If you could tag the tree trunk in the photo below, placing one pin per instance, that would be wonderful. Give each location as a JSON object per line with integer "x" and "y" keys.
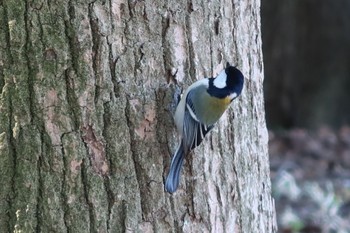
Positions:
{"x": 86, "y": 131}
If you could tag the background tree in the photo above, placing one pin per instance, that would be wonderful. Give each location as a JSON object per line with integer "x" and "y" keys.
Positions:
{"x": 306, "y": 53}
{"x": 306, "y": 59}
{"x": 86, "y": 133}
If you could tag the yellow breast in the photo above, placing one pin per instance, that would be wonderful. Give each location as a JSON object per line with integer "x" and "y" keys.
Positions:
{"x": 220, "y": 104}
{"x": 215, "y": 108}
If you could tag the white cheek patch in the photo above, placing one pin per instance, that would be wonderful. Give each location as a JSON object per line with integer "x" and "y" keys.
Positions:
{"x": 220, "y": 80}
{"x": 233, "y": 95}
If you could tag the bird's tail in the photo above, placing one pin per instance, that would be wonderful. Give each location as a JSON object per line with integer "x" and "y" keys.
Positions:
{"x": 173, "y": 179}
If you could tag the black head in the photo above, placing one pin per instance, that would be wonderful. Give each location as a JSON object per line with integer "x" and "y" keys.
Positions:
{"x": 228, "y": 82}
{"x": 234, "y": 80}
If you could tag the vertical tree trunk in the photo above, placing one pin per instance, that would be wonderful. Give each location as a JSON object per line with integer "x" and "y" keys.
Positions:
{"x": 88, "y": 90}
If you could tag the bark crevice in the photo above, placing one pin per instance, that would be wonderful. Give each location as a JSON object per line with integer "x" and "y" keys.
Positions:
{"x": 64, "y": 198}
{"x": 112, "y": 65}
{"x": 11, "y": 214}
{"x": 28, "y": 52}
{"x": 39, "y": 198}
{"x": 96, "y": 40}
{"x": 6, "y": 30}
{"x": 86, "y": 185}
{"x": 70, "y": 33}
{"x": 2, "y": 79}
{"x": 110, "y": 201}
{"x": 137, "y": 167}
{"x": 106, "y": 179}
{"x": 72, "y": 100}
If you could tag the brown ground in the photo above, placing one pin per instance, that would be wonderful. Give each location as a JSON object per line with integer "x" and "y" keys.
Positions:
{"x": 310, "y": 173}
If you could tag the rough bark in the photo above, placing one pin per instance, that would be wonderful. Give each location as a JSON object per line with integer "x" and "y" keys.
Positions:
{"x": 86, "y": 132}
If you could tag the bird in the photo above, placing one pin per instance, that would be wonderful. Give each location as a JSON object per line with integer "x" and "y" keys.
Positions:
{"x": 200, "y": 107}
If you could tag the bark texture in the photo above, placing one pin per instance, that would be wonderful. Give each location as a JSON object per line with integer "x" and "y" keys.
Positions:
{"x": 88, "y": 90}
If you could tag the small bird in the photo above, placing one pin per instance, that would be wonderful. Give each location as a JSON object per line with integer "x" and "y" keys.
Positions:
{"x": 199, "y": 109}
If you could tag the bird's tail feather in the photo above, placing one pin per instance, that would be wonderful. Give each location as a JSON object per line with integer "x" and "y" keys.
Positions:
{"x": 173, "y": 179}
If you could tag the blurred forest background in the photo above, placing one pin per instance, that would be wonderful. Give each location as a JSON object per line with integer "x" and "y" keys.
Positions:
{"x": 306, "y": 46}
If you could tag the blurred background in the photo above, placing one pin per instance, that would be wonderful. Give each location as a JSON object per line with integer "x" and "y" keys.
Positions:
{"x": 306, "y": 46}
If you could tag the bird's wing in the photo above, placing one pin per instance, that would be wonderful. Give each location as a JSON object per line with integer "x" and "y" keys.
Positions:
{"x": 193, "y": 130}
{"x": 173, "y": 178}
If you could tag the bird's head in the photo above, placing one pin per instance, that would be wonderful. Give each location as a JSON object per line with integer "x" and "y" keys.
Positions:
{"x": 229, "y": 83}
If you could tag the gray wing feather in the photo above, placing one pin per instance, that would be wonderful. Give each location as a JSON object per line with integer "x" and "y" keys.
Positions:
{"x": 194, "y": 131}
{"x": 192, "y": 135}
{"x": 173, "y": 178}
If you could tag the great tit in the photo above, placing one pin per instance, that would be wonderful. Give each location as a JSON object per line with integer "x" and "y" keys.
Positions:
{"x": 199, "y": 109}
